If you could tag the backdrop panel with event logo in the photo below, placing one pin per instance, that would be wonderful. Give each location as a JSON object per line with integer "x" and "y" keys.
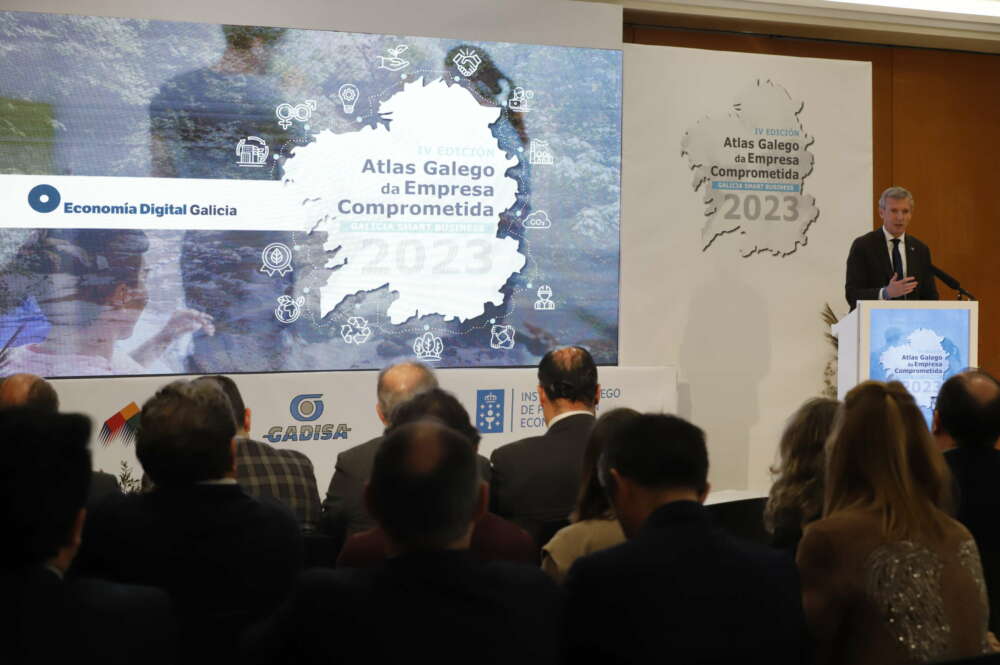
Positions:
{"x": 323, "y": 413}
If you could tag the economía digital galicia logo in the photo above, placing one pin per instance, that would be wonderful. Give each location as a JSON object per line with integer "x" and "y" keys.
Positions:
{"x": 44, "y": 198}
{"x": 306, "y": 408}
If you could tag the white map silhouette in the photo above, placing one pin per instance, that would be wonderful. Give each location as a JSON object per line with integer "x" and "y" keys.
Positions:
{"x": 921, "y": 358}
{"x": 781, "y": 219}
{"x": 437, "y": 264}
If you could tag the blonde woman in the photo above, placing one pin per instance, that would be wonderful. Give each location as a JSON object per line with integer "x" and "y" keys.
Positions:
{"x": 796, "y": 497}
{"x": 887, "y": 576}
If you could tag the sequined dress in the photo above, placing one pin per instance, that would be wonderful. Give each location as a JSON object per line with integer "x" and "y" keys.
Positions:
{"x": 869, "y": 600}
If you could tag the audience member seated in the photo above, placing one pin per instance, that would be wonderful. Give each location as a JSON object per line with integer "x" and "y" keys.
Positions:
{"x": 966, "y": 425}
{"x": 594, "y": 526}
{"x": 264, "y": 472}
{"x": 432, "y": 601}
{"x": 225, "y": 558}
{"x": 535, "y": 480}
{"x": 36, "y": 393}
{"x": 796, "y": 497}
{"x": 44, "y": 478}
{"x": 344, "y": 512}
{"x": 887, "y": 576}
{"x": 678, "y": 590}
{"x": 493, "y": 538}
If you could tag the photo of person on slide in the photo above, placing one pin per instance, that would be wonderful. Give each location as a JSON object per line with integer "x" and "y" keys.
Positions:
{"x": 72, "y": 295}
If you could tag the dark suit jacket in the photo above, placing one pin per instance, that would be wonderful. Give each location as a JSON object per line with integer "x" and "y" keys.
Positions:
{"x": 102, "y": 485}
{"x": 683, "y": 591}
{"x": 433, "y": 607}
{"x": 536, "y": 480}
{"x": 55, "y": 621}
{"x": 286, "y": 476}
{"x": 225, "y": 558}
{"x": 976, "y": 473}
{"x": 344, "y": 512}
{"x": 869, "y": 268}
{"x": 493, "y": 539}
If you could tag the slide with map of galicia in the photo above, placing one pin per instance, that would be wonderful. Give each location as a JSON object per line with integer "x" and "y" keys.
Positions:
{"x": 921, "y": 348}
{"x": 270, "y": 199}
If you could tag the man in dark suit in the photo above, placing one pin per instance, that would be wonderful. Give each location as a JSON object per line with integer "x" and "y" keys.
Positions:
{"x": 887, "y": 264}
{"x": 225, "y": 558}
{"x": 967, "y": 426}
{"x": 535, "y": 480}
{"x": 44, "y": 478}
{"x": 344, "y": 512}
{"x": 678, "y": 590}
{"x": 265, "y": 472}
{"x": 36, "y": 393}
{"x": 432, "y": 601}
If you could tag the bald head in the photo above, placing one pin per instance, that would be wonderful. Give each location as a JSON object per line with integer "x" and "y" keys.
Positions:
{"x": 400, "y": 382}
{"x": 568, "y": 376}
{"x": 30, "y": 391}
{"x": 968, "y": 409}
{"x": 425, "y": 490}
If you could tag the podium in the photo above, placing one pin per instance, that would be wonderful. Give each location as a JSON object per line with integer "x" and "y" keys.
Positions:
{"x": 918, "y": 343}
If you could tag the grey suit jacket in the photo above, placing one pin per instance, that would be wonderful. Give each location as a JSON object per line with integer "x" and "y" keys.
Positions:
{"x": 536, "y": 480}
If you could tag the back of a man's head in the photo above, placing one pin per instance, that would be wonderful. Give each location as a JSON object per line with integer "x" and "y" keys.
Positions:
{"x": 439, "y": 404}
{"x": 424, "y": 490}
{"x": 232, "y": 392}
{"x": 968, "y": 409}
{"x": 401, "y": 382}
{"x": 29, "y": 391}
{"x": 569, "y": 373}
{"x": 659, "y": 452}
{"x": 185, "y": 434}
{"x": 44, "y": 480}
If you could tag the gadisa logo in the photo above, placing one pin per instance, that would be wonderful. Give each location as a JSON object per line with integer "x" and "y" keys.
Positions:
{"x": 307, "y": 408}
{"x": 44, "y": 198}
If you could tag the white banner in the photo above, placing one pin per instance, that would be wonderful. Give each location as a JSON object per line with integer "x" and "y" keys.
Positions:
{"x": 322, "y": 414}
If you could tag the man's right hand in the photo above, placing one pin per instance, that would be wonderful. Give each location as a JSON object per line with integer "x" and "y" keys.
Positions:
{"x": 900, "y": 287}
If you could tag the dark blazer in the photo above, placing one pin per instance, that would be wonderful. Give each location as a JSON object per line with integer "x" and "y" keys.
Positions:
{"x": 536, "y": 480}
{"x": 86, "y": 620}
{"x": 869, "y": 268}
{"x": 344, "y": 512}
{"x": 102, "y": 485}
{"x": 976, "y": 473}
{"x": 437, "y": 607}
{"x": 683, "y": 591}
{"x": 286, "y": 476}
{"x": 493, "y": 539}
{"x": 225, "y": 558}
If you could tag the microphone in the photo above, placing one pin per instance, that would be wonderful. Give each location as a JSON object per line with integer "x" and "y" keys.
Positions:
{"x": 951, "y": 282}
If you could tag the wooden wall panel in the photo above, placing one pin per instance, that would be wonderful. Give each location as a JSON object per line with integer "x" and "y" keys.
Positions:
{"x": 936, "y": 125}
{"x": 946, "y": 129}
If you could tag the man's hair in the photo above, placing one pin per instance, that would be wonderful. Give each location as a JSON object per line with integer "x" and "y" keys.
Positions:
{"x": 568, "y": 373}
{"x": 895, "y": 193}
{"x": 389, "y": 397}
{"x": 658, "y": 451}
{"x": 970, "y": 421}
{"x": 242, "y": 36}
{"x": 232, "y": 392}
{"x": 44, "y": 480}
{"x": 424, "y": 485}
{"x": 439, "y": 404}
{"x": 40, "y": 396}
{"x": 184, "y": 434}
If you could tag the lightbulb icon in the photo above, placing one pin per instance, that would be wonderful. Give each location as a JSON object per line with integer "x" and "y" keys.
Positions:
{"x": 348, "y": 94}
